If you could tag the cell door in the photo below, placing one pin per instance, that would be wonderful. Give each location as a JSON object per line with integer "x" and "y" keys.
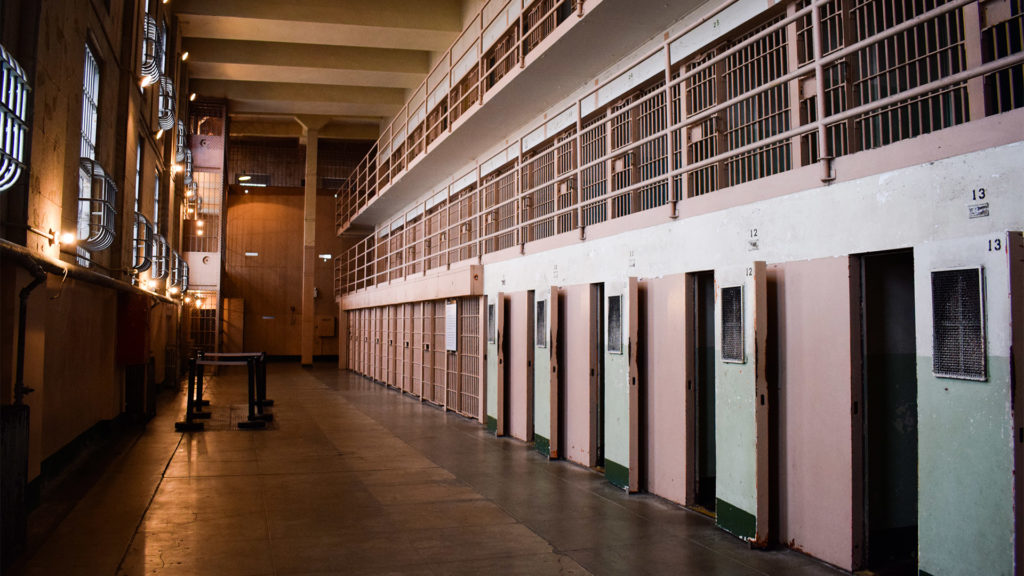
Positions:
{"x": 557, "y": 388}
{"x": 1015, "y": 249}
{"x": 741, "y": 403}
{"x": 379, "y": 344}
{"x": 501, "y": 311}
{"x": 701, "y": 389}
{"x": 416, "y": 349}
{"x": 662, "y": 340}
{"x": 582, "y": 318}
{"x": 889, "y": 395}
{"x": 519, "y": 365}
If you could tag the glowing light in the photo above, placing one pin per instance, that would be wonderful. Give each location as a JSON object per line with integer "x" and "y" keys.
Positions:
{"x": 192, "y": 97}
{"x": 199, "y": 232}
{"x": 184, "y": 55}
{"x": 244, "y": 178}
{"x": 146, "y": 81}
{"x": 67, "y": 238}
{"x": 175, "y": 168}
{"x": 159, "y": 133}
{"x": 200, "y": 223}
{"x": 188, "y": 300}
{"x": 174, "y": 290}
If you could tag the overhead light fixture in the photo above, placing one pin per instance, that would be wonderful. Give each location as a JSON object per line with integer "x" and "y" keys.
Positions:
{"x": 192, "y": 97}
{"x": 244, "y": 178}
{"x": 184, "y": 55}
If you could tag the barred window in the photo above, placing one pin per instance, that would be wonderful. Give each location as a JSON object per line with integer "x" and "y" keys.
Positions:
{"x": 13, "y": 104}
{"x": 97, "y": 192}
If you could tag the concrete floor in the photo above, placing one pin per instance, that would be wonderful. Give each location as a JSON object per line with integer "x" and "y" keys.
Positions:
{"x": 355, "y": 479}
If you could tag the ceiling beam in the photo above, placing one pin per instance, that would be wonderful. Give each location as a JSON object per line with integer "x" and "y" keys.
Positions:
{"x": 287, "y": 127}
{"x": 439, "y": 15}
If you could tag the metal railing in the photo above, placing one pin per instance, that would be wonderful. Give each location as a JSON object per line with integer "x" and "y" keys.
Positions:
{"x": 814, "y": 81}
{"x": 495, "y": 42}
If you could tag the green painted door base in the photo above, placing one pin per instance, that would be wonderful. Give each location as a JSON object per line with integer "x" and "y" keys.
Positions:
{"x": 541, "y": 444}
{"x": 616, "y": 473}
{"x": 734, "y": 520}
{"x": 492, "y": 424}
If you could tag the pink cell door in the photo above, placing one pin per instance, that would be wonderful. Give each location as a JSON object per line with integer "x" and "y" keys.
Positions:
{"x": 662, "y": 352}
{"x": 581, "y": 331}
{"x": 519, "y": 365}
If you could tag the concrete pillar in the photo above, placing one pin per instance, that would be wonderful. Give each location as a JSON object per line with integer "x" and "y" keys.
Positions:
{"x": 311, "y": 129}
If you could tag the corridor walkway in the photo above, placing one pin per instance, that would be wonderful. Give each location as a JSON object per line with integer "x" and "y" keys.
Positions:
{"x": 355, "y": 479}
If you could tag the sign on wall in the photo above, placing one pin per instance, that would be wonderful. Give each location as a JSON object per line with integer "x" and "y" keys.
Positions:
{"x": 451, "y": 325}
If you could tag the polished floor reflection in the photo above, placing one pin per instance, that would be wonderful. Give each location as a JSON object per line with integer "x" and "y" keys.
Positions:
{"x": 352, "y": 478}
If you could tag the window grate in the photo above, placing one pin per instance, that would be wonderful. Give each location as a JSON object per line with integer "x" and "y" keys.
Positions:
{"x": 142, "y": 244}
{"x": 615, "y": 324}
{"x": 152, "y": 49}
{"x": 13, "y": 105}
{"x": 166, "y": 102}
{"x": 958, "y": 333}
{"x": 96, "y": 200}
{"x": 732, "y": 324}
{"x": 541, "y": 336}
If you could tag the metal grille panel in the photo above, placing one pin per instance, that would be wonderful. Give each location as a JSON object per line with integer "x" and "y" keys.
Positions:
{"x": 732, "y": 324}
{"x": 958, "y": 334}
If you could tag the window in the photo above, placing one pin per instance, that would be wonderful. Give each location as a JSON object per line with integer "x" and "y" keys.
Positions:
{"x": 151, "y": 50}
{"x": 958, "y": 330}
{"x": 541, "y": 337}
{"x": 492, "y": 325}
{"x": 732, "y": 324}
{"x": 615, "y": 324}
{"x": 97, "y": 192}
{"x": 156, "y": 200}
{"x": 13, "y": 102}
{"x": 90, "y": 104}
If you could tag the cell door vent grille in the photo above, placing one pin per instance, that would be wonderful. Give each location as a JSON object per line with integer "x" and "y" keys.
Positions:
{"x": 615, "y": 324}
{"x": 732, "y": 324}
{"x": 492, "y": 324}
{"x": 958, "y": 330}
{"x": 541, "y": 324}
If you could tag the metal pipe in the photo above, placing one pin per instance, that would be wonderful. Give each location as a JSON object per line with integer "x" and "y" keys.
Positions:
{"x": 28, "y": 258}
{"x": 39, "y": 276}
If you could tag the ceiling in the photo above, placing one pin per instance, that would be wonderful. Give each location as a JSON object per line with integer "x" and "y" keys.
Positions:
{"x": 346, "y": 64}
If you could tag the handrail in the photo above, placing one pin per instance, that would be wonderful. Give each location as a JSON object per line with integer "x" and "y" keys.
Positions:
{"x": 393, "y": 253}
{"x": 378, "y": 169}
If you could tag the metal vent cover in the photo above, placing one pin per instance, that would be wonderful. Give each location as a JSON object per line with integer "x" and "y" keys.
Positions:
{"x": 615, "y": 324}
{"x": 732, "y": 324}
{"x": 958, "y": 326}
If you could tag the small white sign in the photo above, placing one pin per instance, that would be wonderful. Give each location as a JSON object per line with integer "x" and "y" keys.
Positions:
{"x": 451, "y": 325}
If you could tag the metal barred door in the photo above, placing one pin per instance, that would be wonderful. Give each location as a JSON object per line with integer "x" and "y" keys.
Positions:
{"x": 440, "y": 360}
{"x": 470, "y": 360}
